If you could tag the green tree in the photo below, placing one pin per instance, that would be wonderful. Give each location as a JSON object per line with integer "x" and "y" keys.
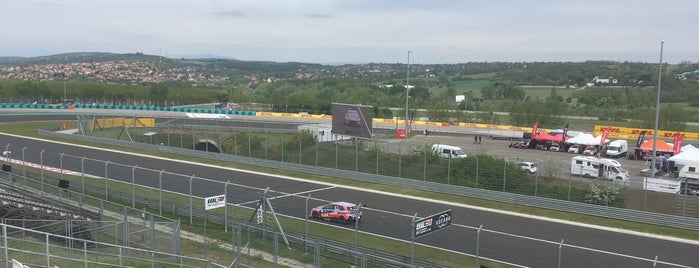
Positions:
{"x": 670, "y": 118}
{"x": 526, "y": 113}
{"x": 32, "y": 90}
{"x": 601, "y": 193}
{"x": 502, "y": 91}
{"x": 159, "y": 92}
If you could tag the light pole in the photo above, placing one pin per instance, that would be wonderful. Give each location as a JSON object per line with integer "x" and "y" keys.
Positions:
{"x": 407, "y": 94}
{"x": 427, "y": 76}
{"x": 356, "y": 226}
{"x": 8, "y": 167}
{"x": 657, "y": 109}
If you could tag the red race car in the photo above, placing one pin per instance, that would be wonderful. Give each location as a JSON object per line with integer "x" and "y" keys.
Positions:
{"x": 338, "y": 211}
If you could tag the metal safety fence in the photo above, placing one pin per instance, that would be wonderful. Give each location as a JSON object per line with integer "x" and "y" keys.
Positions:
{"x": 38, "y": 200}
{"x": 120, "y": 181}
{"x": 411, "y": 166}
{"x": 34, "y": 248}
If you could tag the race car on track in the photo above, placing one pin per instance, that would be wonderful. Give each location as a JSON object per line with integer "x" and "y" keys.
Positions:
{"x": 337, "y": 211}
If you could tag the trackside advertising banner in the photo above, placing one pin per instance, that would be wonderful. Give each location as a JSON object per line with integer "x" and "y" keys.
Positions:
{"x": 605, "y": 133}
{"x": 677, "y": 143}
{"x": 641, "y": 136}
{"x": 215, "y": 202}
{"x": 432, "y": 223}
{"x": 535, "y": 128}
{"x": 634, "y": 133}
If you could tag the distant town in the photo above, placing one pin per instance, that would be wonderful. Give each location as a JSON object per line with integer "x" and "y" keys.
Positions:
{"x": 121, "y": 71}
{"x": 138, "y": 68}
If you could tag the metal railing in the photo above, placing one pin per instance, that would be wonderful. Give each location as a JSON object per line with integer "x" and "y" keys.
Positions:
{"x": 40, "y": 249}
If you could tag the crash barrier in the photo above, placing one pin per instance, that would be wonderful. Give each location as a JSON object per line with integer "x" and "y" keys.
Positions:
{"x": 614, "y": 133}
{"x": 112, "y": 122}
{"x": 124, "y": 108}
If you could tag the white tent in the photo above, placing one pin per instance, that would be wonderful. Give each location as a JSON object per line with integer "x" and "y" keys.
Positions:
{"x": 583, "y": 139}
{"x": 686, "y": 157}
{"x": 599, "y": 139}
{"x": 688, "y": 147}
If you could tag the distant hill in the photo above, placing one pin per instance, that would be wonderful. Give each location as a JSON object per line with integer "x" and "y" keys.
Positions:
{"x": 78, "y": 57}
{"x": 201, "y": 56}
{"x": 211, "y": 60}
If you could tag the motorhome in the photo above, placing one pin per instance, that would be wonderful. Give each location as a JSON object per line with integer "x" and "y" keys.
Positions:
{"x": 690, "y": 172}
{"x": 448, "y": 151}
{"x": 601, "y": 168}
{"x": 617, "y": 148}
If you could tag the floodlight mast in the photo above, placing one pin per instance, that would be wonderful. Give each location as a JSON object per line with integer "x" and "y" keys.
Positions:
{"x": 407, "y": 94}
{"x": 657, "y": 111}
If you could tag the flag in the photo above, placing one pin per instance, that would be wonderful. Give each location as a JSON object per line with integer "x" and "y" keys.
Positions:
{"x": 641, "y": 136}
{"x": 605, "y": 132}
{"x": 534, "y": 129}
{"x": 565, "y": 133}
{"x": 677, "y": 143}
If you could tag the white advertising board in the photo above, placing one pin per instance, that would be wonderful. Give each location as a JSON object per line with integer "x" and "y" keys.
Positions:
{"x": 215, "y": 202}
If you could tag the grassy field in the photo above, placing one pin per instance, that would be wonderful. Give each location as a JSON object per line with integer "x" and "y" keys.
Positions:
{"x": 541, "y": 92}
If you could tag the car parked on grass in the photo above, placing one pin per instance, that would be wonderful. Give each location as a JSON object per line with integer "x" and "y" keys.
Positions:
{"x": 337, "y": 211}
{"x": 528, "y": 166}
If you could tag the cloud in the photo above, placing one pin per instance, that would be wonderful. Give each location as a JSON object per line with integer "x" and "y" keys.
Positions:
{"x": 230, "y": 13}
{"x": 440, "y": 31}
{"x": 318, "y": 16}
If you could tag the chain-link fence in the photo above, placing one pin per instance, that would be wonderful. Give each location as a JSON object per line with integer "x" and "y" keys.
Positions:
{"x": 281, "y": 144}
{"x": 119, "y": 184}
{"x": 46, "y": 202}
{"x": 36, "y": 248}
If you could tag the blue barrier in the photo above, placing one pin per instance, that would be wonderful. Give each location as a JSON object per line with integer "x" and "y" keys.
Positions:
{"x": 125, "y": 107}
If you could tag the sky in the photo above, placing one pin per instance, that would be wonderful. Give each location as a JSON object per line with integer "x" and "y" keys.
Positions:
{"x": 358, "y": 31}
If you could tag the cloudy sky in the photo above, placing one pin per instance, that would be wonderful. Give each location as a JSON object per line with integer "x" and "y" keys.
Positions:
{"x": 358, "y": 31}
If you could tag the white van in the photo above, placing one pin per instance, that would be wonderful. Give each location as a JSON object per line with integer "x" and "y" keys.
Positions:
{"x": 617, "y": 148}
{"x": 448, "y": 151}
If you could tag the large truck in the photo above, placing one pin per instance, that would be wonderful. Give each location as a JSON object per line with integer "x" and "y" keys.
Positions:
{"x": 686, "y": 182}
{"x": 599, "y": 168}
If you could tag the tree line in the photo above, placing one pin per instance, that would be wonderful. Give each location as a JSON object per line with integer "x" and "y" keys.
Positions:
{"x": 631, "y": 97}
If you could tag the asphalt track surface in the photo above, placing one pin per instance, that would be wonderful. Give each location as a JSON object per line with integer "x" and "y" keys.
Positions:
{"x": 513, "y": 238}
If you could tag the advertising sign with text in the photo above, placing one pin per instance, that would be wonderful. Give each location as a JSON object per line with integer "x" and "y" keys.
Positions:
{"x": 432, "y": 223}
